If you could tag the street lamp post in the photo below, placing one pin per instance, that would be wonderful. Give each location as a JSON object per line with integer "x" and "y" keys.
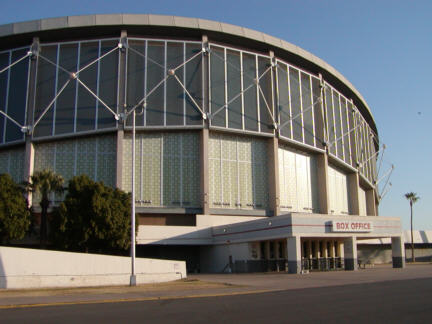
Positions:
{"x": 133, "y": 275}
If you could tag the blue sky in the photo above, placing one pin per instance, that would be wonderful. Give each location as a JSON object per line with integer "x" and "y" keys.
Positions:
{"x": 382, "y": 47}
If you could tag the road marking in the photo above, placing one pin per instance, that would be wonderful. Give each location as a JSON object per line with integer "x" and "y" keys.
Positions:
{"x": 126, "y": 300}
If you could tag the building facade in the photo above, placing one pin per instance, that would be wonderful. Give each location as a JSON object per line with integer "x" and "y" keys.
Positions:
{"x": 250, "y": 153}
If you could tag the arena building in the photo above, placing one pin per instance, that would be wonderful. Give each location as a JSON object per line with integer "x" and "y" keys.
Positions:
{"x": 251, "y": 153}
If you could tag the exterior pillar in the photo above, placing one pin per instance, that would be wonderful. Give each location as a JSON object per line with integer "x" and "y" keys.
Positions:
{"x": 370, "y": 203}
{"x": 273, "y": 175}
{"x": 323, "y": 188}
{"x": 350, "y": 253}
{"x": 353, "y": 193}
{"x": 294, "y": 254}
{"x": 332, "y": 249}
{"x": 324, "y": 249}
{"x": 398, "y": 252}
{"x": 316, "y": 251}
{"x": 205, "y": 194}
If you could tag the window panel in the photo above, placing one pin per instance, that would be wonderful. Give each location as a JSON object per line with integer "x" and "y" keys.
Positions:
{"x": 283, "y": 100}
{"x": 345, "y": 130}
{"x": 234, "y": 90}
{"x": 318, "y": 113}
{"x": 17, "y": 99}
{"x": 352, "y": 135}
{"x": 250, "y": 95}
{"x": 4, "y": 62}
{"x": 155, "y": 74}
{"x": 86, "y": 107}
{"x": 174, "y": 91}
{"x": 307, "y": 109}
{"x": 135, "y": 78}
{"x": 65, "y": 105}
{"x": 108, "y": 84}
{"x": 194, "y": 83}
{"x": 295, "y": 105}
{"x": 217, "y": 87}
{"x": 266, "y": 100}
{"x": 331, "y": 132}
{"x": 338, "y": 125}
{"x": 45, "y": 91}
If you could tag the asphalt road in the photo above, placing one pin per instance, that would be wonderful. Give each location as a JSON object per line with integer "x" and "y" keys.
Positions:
{"x": 402, "y": 301}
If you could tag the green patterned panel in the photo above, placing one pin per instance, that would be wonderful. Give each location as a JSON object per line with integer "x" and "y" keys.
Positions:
{"x": 282, "y": 192}
{"x": 106, "y": 160}
{"x": 246, "y": 197}
{"x": 235, "y": 199}
{"x": 12, "y": 162}
{"x": 260, "y": 186}
{"x": 44, "y": 156}
{"x": 215, "y": 184}
{"x": 86, "y": 157}
{"x": 4, "y": 162}
{"x": 127, "y": 162}
{"x": 226, "y": 184}
{"x": 214, "y": 147}
{"x": 191, "y": 170}
{"x": 64, "y": 160}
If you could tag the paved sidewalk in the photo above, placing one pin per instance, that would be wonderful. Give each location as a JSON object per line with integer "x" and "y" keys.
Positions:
{"x": 205, "y": 285}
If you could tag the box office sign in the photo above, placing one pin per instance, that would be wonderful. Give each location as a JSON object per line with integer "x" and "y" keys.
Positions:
{"x": 344, "y": 226}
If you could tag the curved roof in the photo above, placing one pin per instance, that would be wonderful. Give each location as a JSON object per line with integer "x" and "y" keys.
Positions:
{"x": 212, "y": 28}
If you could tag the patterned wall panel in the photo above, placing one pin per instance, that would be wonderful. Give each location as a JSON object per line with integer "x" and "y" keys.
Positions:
{"x": 238, "y": 177}
{"x": 297, "y": 181}
{"x": 167, "y": 169}
{"x": 12, "y": 162}
{"x": 93, "y": 156}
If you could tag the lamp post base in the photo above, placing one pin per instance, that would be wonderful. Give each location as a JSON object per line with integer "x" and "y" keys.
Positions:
{"x": 132, "y": 280}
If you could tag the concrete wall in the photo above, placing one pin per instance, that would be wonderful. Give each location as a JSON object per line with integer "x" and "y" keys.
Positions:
{"x": 28, "y": 268}
{"x": 382, "y": 253}
{"x": 201, "y": 234}
{"x": 216, "y": 257}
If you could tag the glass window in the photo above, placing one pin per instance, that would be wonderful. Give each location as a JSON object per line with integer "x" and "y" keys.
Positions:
{"x": 45, "y": 90}
{"x": 296, "y": 105}
{"x": 331, "y": 132}
{"x": 307, "y": 108}
{"x": 65, "y": 105}
{"x": 250, "y": 92}
{"x": 4, "y": 62}
{"x": 86, "y": 106}
{"x": 217, "y": 87}
{"x": 338, "y": 125}
{"x": 283, "y": 101}
{"x": 234, "y": 90}
{"x": 266, "y": 97}
{"x": 318, "y": 113}
{"x": 345, "y": 130}
{"x": 351, "y": 126}
{"x": 17, "y": 99}
{"x": 194, "y": 81}
{"x": 135, "y": 78}
{"x": 174, "y": 91}
{"x": 108, "y": 84}
{"x": 155, "y": 74}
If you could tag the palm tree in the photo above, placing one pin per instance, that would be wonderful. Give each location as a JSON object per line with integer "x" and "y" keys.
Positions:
{"x": 45, "y": 182}
{"x": 412, "y": 197}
